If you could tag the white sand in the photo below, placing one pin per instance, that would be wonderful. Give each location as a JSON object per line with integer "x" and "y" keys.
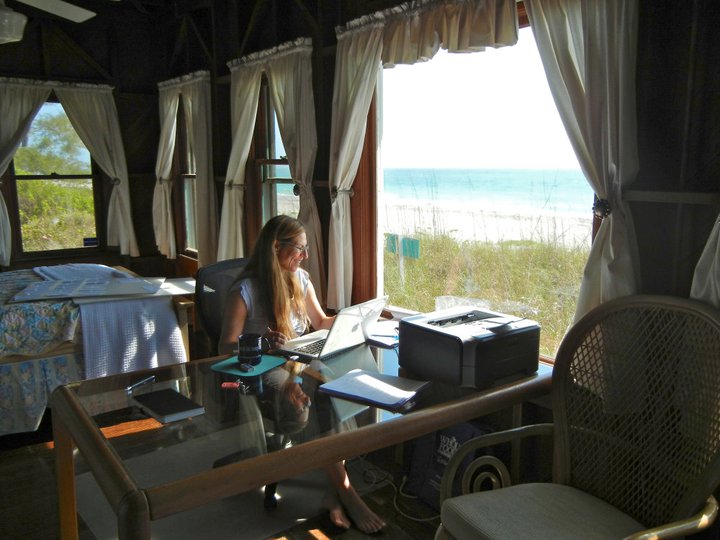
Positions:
{"x": 463, "y": 222}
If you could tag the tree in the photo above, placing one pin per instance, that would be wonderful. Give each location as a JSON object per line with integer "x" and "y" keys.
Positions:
{"x": 52, "y": 146}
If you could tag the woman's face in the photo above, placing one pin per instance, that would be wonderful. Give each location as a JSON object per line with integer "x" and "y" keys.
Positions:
{"x": 292, "y": 252}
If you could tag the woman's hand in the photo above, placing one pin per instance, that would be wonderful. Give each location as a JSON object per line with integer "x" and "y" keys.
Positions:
{"x": 273, "y": 339}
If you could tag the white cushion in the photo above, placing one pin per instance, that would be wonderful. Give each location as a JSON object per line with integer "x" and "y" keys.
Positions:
{"x": 537, "y": 511}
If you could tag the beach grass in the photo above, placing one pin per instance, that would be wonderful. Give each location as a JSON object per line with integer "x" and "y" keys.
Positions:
{"x": 525, "y": 278}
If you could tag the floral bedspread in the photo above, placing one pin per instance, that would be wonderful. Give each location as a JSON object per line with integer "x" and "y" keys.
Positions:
{"x": 30, "y": 368}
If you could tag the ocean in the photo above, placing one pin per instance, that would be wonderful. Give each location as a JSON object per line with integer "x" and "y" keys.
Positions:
{"x": 488, "y": 204}
{"x": 503, "y": 191}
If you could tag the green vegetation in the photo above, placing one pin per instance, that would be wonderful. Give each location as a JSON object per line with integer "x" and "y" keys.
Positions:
{"x": 523, "y": 278}
{"x": 54, "y": 214}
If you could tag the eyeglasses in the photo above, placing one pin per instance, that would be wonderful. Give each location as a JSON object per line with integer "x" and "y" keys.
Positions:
{"x": 299, "y": 249}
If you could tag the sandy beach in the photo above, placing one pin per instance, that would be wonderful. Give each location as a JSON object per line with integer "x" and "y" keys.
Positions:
{"x": 467, "y": 222}
{"x": 463, "y": 222}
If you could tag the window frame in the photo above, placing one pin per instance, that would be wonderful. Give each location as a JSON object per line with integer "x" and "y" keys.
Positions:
{"x": 180, "y": 173}
{"x": 8, "y": 186}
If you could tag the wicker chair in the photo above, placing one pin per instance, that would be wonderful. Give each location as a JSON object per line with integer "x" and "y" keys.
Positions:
{"x": 636, "y": 434}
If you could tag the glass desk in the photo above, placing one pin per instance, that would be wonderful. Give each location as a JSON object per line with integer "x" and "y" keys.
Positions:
{"x": 243, "y": 421}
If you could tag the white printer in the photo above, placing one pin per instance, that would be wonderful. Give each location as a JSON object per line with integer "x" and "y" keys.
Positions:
{"x": 466, "y": 347}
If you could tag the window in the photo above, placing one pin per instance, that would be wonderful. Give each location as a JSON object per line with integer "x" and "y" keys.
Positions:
{"x": 482, "y": 195}
{"x": 278, "y": 193}
{"x": 184, "y": 197}
{"x": 53, "y": 195}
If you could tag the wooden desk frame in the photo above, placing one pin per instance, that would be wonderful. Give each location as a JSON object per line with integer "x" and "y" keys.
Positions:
{"x": 136, "y": 507}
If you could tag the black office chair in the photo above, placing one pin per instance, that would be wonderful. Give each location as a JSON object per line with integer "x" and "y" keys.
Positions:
{"x": 212, "y": 284}
{"x": 636, "y": 434}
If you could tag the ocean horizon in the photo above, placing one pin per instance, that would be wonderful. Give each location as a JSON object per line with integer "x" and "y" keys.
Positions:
{"x": 489, "y": 204}
{"x": 503, "y": 191}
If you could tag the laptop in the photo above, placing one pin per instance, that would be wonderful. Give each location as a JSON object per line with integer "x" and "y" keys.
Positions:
{"x": 350, "y": 328}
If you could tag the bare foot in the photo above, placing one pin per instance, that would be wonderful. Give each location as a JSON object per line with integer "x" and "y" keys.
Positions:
{"x": 365, "y": 519}
{"x": 334, "y": 507}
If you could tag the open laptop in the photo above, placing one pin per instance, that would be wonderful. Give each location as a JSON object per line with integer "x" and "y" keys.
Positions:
{"x": 351, "y": 327}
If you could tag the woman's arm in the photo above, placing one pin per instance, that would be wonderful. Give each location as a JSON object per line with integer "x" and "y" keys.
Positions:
{"x": 234, "y": 318}
{"x": 318, "y": 319}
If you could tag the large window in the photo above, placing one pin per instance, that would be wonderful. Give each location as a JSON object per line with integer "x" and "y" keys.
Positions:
{"x": 54, "y": 195}
{"x": 482, "y": 196}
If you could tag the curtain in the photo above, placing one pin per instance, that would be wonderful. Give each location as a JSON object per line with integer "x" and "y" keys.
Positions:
{"x": 92, "y": 112}
{"x": 404, "y": 34}
{"x": 198, "y": 108}
{"x": 588, "y": 50}
{"x": 20, "y": 101}
{"x": 245, "y": 75}
{"x": 357, "y": 61}
{"x": 194, "y": 90}
{"x": 706, "y": 278}
{"x": 163, "y": 225}
{"x": 290, "y": 81}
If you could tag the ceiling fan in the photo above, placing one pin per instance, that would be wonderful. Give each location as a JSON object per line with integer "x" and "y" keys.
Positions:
{"x": 63, "y": 9}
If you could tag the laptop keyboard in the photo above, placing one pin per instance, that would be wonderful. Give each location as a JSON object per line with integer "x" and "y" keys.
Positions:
{"x": 312, "y": 348}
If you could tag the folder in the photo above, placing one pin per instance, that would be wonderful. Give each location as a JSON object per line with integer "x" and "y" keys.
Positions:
{"x": 396, "y": 394}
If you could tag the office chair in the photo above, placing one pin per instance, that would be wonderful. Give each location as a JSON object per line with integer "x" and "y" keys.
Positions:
{"x": 212, "y": 283}
{"x": 636, "y": 434}
{"x": 261, "y": 412}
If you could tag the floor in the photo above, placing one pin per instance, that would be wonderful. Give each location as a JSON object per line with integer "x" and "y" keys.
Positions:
{"x": 28, "y": 502}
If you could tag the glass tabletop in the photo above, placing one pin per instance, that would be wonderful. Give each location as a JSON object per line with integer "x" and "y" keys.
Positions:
{"x": 242, "y": 440}
{"x": 243, "y": 415}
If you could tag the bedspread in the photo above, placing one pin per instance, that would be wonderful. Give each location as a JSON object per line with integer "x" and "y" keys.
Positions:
{"x": 45, "y": 344}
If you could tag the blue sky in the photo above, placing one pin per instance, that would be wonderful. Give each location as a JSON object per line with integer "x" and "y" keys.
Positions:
{"x": 491, "y": 109}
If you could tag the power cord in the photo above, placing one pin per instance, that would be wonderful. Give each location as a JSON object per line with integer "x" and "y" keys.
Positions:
{"x": 376, "y": 478}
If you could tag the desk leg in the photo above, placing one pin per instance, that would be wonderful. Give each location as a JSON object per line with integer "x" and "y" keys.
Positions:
{"x": 65, "y": 475}
{"x": 515, "y": 445}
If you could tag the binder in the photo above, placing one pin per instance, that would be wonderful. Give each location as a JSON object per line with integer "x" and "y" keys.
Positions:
{"x": 395, "y": 394}
{"x": 167, "y": 405}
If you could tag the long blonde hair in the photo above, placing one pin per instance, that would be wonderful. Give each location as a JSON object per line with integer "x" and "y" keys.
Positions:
{"x": 280, "y": 290}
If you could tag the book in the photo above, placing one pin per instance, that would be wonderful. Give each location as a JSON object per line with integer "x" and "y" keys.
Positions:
{"x": 396, "y": 394}
{"x": 167, "y": 405}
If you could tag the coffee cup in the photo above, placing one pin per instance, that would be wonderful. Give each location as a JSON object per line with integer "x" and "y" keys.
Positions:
{"x": 249, "y": 349}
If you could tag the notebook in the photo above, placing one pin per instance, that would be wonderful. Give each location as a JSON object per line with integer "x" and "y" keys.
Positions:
{"x": 351, "y": 327}
{"x": 167, "y": 405}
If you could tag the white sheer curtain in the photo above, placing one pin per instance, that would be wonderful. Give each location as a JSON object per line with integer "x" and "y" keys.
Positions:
{"x": 588, "y": 49}
{"x": 405, "y": 34}
{"x": 356, "y": 66}
{"x": 163, "y": 224}
{"x": 194, "y": 89}
{"x": 290, "y": 80}
{"x": 20, "y": 101}
{"x": 92, "y": 112}
{"x": 245, "y": 78}
{"x": 706, "y": 278}
{"x": 198, "y": 108}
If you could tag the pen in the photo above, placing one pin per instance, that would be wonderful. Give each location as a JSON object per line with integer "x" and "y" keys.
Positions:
{"x": 132, "y": 387}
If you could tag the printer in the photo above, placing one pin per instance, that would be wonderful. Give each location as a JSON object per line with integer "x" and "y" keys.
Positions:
{"x": 466, "y": 347}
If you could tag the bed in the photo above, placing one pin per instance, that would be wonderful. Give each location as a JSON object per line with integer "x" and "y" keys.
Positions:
{"x": 47, "y": 343}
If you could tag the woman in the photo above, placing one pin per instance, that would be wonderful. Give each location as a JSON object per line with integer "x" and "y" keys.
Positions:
{"x": 274, "y": 297}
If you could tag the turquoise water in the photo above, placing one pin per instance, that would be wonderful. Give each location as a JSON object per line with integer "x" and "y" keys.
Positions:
{"x": 511, "y": 191}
